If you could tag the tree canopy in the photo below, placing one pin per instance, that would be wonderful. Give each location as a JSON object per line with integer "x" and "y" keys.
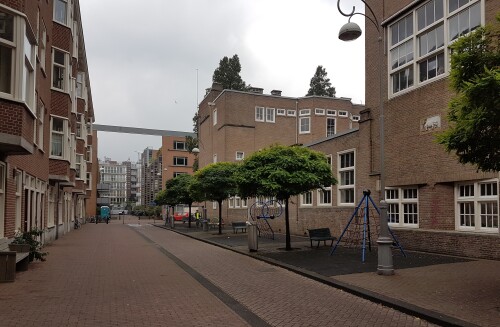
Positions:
{"x": 474, "y": 112}
{"x": 215, "y": 182}
{"x": 320, "y": 84}
{"x": 228, "y": 74}
{"x": 283, "y": 171}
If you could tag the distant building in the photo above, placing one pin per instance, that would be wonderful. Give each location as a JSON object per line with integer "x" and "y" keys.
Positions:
{"x": 117, "y": 176}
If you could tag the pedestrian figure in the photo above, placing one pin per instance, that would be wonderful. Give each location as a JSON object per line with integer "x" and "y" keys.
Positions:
{"x": 197, "y": 216}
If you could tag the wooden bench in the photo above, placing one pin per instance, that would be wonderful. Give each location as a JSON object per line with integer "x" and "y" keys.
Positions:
{"x": 9, "y": 259}
{"x": 214, "y": 223}
{"x": 239, "y": 225}
{"x": 320, "y": 234}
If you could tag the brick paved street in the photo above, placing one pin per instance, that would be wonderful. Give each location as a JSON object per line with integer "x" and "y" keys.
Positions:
{"x": 140, "y": 275}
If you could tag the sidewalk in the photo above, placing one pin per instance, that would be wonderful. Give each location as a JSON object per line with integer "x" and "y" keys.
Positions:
{"x": 442, "y": 289}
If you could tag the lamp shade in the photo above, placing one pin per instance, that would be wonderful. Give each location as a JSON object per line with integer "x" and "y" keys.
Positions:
{"x": 349, "y": 32}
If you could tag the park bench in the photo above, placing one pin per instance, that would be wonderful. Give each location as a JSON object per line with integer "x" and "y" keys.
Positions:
{"x": 239, "y": 225}
{"x": 320, "y": 234}
{"x": 9, "y": 259}
{"x": 214, "y": 223}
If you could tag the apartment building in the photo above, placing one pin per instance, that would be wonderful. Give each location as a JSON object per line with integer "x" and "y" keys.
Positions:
{"x": 46, "y": 116}
{"x": 151, "y": 175}
{"x": 435, "y": 204}
{"x": 176, "y": 159}
{"x": 117, "y": 177}
{"x": 234, "y": 124}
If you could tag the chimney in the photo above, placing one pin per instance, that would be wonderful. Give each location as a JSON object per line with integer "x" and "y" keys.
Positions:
{"x": 257, "y": 90}
{"x": 276, "y": 92}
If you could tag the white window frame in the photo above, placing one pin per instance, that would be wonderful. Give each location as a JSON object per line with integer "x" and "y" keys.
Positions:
{"x": 214, "y": 116}
{"x": 306, "y": 199}
{"x": 42, "y": 47}
{"x": 65, "y": 137}
{"x": 304, "y": 112}
{"x": 65, "y": 81}
{"x": 331, "y": 112}
{"x": 471, "y": 221}
{"x": 280, "y": 112}
{"x": 291, "y": 113}
{"x": 355, "y": 118}
{"x": 305, "y": 128}
{"x": 322, "y": 193}
{"x": 343, "y": 113}
{"x": 402, "y": 206}
{"x": 21, "y": 84}
{"x": 80, "y": 83}
{"x": 270, "y": 115}
{"x": 79, "y": 165}
{"x": 61, "y": 18}
{"x": 328, "y": 119}
{"x": 180, "y": 161}
{"x": 319, "y": 112}
{"x": 178, "y": 147}
{"x": 3, "y": 182}
{"x": 259, "y": 114}
{"x": 18, "y": 180}
{"x": 341, "y": 187}
{"x": 40, "y": 122}
{"x": 406, "y": 53}
{"x": 240, "y": 155}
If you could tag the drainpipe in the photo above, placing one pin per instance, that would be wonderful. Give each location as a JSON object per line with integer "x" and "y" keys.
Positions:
{"x": 296, "y": 121}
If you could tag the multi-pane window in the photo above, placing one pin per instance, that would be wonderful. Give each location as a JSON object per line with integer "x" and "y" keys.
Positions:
{"x": 28, "y": 86}
{"x": 319, "y": 111}
{"x": 306, "y": 199}
{"x": 304, "y": 112}
{"x": 325, "y": 196}
{"x": 291, "y": 113}
{"x": 236, "y": 202}
{"x": 280, "y": 112}
{"x": 259, "y": 113}
{"x": 418, "y": 40}
{"x": 19, "y": 194}
{"x": 402, "y": 206}
{"x": 2, "y": 196}
{"x": 79, "y": 125}
{"x": 304, "y": 125}
{"x": 79, "y": 166}
{"x": 58, "y": 137}
{"x": 346, "y": 173}
{"x": 61, "y": 11}
{"x": 270, "y": 118}
{"x": 7, "y": 51}
{"x": 331, "y": 112}
{"x": 477, "y": 206}
{"x": 330, "y": 127}
{"x": 179, "y": 173}
{"x": 240, "y": 155}
{"x": 179, "y": 145}
{"x": 79, "y": 84}
{"x": 214, "y": 117}
{"x": 180, "y": 161}
{"x": 59, "y": 62}
{"x": 40, "y": 119}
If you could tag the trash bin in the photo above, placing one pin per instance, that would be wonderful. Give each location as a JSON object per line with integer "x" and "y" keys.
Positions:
{"x": 253, "y": 243}
{"x": 204, "y": 222}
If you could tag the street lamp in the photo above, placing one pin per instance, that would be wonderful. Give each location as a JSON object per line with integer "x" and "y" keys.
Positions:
{"x": 349, "y": 32}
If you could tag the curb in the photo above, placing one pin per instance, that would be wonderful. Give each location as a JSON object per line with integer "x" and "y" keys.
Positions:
{"x": 405, "y": 307}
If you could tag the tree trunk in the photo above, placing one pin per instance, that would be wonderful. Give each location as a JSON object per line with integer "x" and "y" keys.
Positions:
{"x": 288, "y": 246}
{"x": 189, "y": 217}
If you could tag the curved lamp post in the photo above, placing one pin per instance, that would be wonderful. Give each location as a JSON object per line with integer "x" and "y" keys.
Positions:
{"x": 349, "y": 32}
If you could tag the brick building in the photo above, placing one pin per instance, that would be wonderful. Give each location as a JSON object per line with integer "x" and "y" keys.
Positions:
{"x": 434, "y": 203}
{"x": 234, "y": 124}
{"x": 176, "y": 159}
{"x": 47, "y": 151}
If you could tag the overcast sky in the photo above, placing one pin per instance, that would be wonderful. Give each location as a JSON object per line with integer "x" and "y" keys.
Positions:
{"x": 151, "y": 61}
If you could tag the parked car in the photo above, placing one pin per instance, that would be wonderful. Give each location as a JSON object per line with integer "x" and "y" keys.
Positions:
{"x": 181, "y": 216}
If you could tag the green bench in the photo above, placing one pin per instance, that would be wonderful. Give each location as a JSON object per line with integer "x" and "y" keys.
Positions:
{"x": 320, "y": 234}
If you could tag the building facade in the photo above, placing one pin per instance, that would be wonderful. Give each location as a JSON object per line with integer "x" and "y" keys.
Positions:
{"x": 46, "y": 116}
{"x": 435, "y": 204}
{"x": 234, "y": 124}
{"x": 117, "y": 176}
{"x": 176, "y": 159}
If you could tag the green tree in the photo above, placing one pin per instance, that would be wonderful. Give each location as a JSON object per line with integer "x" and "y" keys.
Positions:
{"x": 168, "y": 196}
{"x": 191, "y": 143}
{"x": 196, "y": 117}
{"x": 215, "y": 182}
{"x": 474, "y": 112}
{"x": 284, "y": 171}
{"x": 320, "y": 84}
{"x": 180, "y": 188}
{"x": 228, "y": 74}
